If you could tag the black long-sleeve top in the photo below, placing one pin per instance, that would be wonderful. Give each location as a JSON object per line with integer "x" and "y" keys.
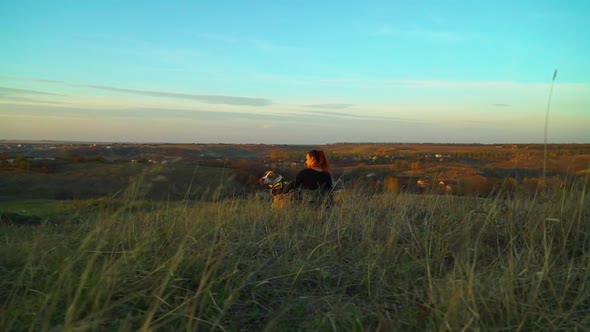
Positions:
{"x": 310, "y": 179}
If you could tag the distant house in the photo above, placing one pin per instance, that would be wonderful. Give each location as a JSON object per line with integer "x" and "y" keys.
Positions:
{"x": 423, "y": 183}
{"x": 447, "y": 185}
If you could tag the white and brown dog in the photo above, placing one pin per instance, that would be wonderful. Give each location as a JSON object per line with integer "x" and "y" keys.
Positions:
{"x": 276, "y": 183}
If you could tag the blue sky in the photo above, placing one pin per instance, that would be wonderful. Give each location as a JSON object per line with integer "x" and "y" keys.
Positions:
{"x": 295, "y": 72}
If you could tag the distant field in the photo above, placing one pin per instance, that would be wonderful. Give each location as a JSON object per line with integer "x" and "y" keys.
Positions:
{"x": 233, "y": 169}
{"x": 91, "y": 180}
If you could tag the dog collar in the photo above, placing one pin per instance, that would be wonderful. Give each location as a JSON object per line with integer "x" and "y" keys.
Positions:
{"x": 279, "y": 184}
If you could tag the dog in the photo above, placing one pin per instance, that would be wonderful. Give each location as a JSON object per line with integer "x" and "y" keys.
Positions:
{"x": 276, "y": 183}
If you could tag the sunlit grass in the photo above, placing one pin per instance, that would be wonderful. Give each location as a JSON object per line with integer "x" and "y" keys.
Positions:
{"x": 381, "y": 261}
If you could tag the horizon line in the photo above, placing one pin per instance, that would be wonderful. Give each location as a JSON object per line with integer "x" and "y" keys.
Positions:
{"x": 20, "y": 141}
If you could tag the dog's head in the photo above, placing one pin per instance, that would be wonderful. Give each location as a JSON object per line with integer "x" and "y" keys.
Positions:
{"x": 270, "y": 178}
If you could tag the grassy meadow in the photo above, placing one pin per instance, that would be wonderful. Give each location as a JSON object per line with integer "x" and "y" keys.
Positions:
{"x": 377, "y": 262}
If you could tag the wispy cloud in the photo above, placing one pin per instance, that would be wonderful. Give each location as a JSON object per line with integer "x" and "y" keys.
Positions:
{"x": 135, "y": 113}
{"x": 208, "y": 99}
{"x": 25, "y": 95}
{"x": 359, "y": 117}
{"x": 4, "y": 98}
{"x": 5, "y": 90}
{"x": 330, "y": 106}
{"x": 198, "y": 114}
{"x": 186, "y": 114}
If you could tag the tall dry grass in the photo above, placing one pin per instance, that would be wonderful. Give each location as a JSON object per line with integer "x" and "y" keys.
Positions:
{"x": 373, "y": 262}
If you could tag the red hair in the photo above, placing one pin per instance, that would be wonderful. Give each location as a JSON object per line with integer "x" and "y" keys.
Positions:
{"x": 321, "y": 160}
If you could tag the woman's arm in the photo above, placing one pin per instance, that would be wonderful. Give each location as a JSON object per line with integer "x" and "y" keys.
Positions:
{"x": 299, "y": 179}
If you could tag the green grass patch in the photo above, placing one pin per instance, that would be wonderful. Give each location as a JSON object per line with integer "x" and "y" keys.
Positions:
{"x": 42, "y": 207}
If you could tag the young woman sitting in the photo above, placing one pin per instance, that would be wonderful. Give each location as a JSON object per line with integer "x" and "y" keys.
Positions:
{"x": 314, "y": 183}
